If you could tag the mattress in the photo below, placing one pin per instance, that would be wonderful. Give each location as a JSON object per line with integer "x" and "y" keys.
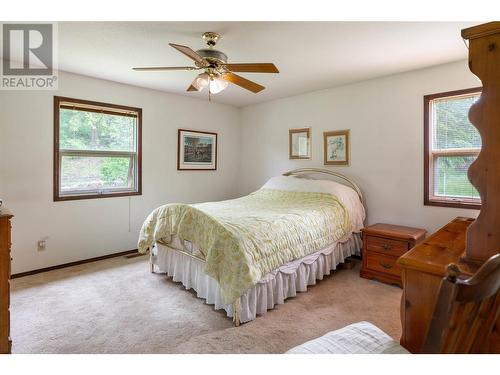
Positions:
{"x": 177, "y": 243}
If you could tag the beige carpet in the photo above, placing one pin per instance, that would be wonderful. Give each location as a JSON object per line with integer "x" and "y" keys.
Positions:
{"x": 117, "y": 306}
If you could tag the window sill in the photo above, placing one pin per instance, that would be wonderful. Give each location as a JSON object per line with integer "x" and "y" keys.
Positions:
{"x": 452, "y": 204}
{"x": 59, "y": 198}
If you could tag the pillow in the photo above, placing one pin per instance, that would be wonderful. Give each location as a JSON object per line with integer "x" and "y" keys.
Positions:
{"x": 345, "y": 194}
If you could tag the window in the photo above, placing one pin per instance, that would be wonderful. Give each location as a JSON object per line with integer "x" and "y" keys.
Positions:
{"x": 452, "y": 143}
{"x": 97, "y": 149}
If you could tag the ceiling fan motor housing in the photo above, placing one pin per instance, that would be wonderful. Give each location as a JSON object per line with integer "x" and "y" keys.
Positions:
{"x": 212, "y": 55}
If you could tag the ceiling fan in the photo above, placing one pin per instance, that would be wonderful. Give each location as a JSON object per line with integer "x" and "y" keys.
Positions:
{"x": 217, "y": 72}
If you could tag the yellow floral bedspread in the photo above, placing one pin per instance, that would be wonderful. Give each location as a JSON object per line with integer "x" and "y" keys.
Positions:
{"x": 246, "y": 238}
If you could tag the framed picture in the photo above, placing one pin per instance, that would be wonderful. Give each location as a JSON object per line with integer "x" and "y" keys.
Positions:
{"x": 336, "y": 147}
{"x": 196, "y": 150}
{"x": 300, "y": 143}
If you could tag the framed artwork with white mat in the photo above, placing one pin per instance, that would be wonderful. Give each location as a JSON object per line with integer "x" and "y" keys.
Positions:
{"x": 336, "y": 147}
{"x": 299, "y": 143}
{"x": 196, "y": 150}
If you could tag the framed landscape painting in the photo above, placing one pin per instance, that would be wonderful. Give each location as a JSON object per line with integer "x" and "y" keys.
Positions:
{"x": 299, "y": 143}
{"x": 196, "y": 150}
{"x": 336, "y": 147}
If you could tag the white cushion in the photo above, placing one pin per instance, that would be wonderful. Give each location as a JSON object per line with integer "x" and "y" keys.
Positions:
{"x": 358, "y": 338}
{"x": 345, "y": 194}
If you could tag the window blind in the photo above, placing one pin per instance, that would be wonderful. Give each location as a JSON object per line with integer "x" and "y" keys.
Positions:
{"x": 455, "y": 145}
{"x": 452, "y": 128}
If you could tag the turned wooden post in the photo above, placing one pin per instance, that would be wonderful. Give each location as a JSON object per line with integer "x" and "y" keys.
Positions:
{"x": 483, "y": 236}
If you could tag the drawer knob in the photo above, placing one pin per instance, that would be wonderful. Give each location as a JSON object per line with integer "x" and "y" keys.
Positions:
{"x": 386, "y": 247}
{"x": 386, "y": 265}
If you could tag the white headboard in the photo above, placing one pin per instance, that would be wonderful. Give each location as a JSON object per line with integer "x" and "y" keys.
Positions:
{"x": 308, "y": 171}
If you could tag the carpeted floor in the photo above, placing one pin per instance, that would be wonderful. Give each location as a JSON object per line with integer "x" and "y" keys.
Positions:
{"x": 117, "y": 306}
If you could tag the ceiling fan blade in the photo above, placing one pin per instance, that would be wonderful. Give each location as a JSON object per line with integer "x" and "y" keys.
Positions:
{"x": 190, "y": 53}
{"x": 161, "y": 68}
{"x": 243, "y": 82}
{"x": 253, "y": 68}
{"x": 194, "y": 86}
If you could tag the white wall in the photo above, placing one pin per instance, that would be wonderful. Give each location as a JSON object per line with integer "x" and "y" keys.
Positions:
{"x": 385, "y": 117}
{"x": 88, "y": 228}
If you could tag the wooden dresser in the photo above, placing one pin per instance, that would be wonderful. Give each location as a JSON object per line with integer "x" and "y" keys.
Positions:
{"x": 383, "y": 244}
{"x": 422, "y": 270}
{"x": 5, "y": 227}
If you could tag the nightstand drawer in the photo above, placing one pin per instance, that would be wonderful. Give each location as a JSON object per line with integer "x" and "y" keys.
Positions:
{"x": 382, "y": 263}
{"x": 386, "y": 245}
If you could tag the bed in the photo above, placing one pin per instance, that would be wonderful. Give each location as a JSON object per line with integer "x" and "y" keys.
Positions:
{"x": 247, "y": 255}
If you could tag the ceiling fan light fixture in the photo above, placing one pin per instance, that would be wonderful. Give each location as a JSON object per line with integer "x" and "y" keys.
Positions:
{"x": 201, "y": 81}
{"x": 217, "y": 84}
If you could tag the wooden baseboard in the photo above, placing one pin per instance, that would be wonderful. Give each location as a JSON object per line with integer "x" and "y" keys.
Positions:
{"x": 78, "y": 262}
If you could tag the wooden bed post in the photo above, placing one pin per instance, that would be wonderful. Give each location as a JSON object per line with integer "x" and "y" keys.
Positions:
{"x": 151, "y": 265}
{"x": 236, "y": 313}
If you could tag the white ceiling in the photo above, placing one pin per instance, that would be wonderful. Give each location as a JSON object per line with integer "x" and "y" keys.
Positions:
{"x": 310, "y": 55}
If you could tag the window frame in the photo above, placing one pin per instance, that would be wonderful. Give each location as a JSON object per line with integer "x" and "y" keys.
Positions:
{"x": 430, "y": 156}
{"x": 135, "y": 156}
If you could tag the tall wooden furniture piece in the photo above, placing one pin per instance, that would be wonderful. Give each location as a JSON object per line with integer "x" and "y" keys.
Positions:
{"x": 5, "y": 227}
{"x": 383, "y": 244}
{"x": 483, "y": 236}
{"x": 466, "y": 242}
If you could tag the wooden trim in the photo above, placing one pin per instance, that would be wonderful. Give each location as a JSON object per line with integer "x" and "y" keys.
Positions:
{"x": 94, "y": 110}
{"x": 179, "y": 150}
{"x": 56, "y": 152}
{"x": 456, "y": 152}
{"x": 447, "y": 94}
{"x": 63, "y": 99}
{"x": 347, "y": 149}
{"x": 309, "y": 147}
{"x": 94, "y": 153}
{"x": 427, "y": 159}
{"x": 71, "y": 264}
{"x": 452, "y": 204}
{"x": 95, "y": 196}
{"x": 57, "y": 101}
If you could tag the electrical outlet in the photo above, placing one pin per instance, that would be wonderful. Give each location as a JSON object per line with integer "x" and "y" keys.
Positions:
{"x": 41, "y": 245}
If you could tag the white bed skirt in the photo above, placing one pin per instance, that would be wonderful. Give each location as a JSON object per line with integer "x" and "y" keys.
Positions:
{"x": 272, "y": 289}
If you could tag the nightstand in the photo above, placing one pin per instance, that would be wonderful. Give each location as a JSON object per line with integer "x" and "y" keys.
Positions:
{"x": 383, "y": 244}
